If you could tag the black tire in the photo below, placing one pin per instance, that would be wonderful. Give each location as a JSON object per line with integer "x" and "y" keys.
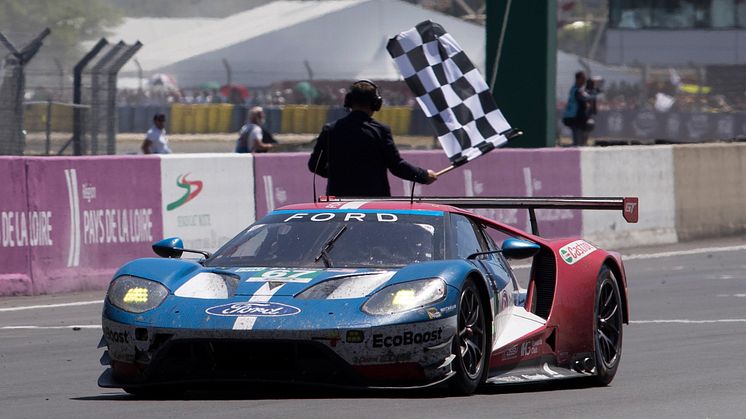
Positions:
{"x": 470, "y": 342}
{"x": 607, "y": 327}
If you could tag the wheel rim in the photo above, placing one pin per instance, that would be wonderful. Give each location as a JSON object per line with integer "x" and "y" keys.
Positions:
{"x": 471, "y": 333}
{"x": 608, "y": 324}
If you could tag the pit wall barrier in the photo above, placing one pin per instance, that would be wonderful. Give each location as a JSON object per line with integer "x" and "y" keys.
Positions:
{"x": 710, "y": 184}
{"x": 642, "y": 171}
{"x": 67, "y": 223}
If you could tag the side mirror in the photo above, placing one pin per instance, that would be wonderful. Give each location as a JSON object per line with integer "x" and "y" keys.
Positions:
{"x": 519, "y": 249}
{"x": 171, "y": 247}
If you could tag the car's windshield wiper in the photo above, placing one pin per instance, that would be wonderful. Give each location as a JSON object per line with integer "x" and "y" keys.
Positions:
{"x": 328, "y": 246}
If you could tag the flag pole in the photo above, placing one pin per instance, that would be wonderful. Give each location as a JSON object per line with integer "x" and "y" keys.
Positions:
{"x": 510, "y": 134}
{"x": 444, "y": 171}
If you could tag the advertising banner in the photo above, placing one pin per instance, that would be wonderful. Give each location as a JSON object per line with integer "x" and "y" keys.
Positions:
{"x": 15, "y": 269}
{"x": 507, "y": 172}
{"x": 284, "y": 178}
{"x": 207, "y": 198}
{"x": 89, "y": 215}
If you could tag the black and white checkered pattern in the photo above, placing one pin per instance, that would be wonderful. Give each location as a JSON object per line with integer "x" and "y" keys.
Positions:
{"x": 450, "y": 90}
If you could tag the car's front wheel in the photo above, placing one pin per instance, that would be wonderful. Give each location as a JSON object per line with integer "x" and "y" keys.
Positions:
{"x": 607, "y": 327}
{"x": 470, "y": 342}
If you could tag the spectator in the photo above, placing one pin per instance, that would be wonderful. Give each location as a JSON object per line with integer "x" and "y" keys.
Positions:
{"x": 579, "y": 110}
{"x": 155, "y": 139}
{"x": 251, "y": 137}
{"x": 356, "y": 151}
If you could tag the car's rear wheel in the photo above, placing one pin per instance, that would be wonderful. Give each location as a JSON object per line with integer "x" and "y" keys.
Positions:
{"x": 470, "y": 342}
{"x": 607, "y": 323}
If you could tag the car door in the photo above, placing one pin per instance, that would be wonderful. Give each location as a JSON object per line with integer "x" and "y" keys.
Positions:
{"x": 469, "y": 239}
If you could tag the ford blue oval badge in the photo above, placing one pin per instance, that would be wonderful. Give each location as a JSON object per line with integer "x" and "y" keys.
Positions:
{"x": 249, "y": 309}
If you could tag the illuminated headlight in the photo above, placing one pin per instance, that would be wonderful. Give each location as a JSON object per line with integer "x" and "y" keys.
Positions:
{"x": 356, "y": 286}
{"x": 136, "y": 295}
{"x": 405, "y": 296}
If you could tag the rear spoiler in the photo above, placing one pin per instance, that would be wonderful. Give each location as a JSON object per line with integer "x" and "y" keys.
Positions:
{"x": 628, "y": 205}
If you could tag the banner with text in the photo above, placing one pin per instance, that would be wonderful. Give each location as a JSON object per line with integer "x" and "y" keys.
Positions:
{"x": 283, "y": 179}
{"x": 15, "y": 269}
{"x": 207, "y": 198}
{"x": 87, "y": 216}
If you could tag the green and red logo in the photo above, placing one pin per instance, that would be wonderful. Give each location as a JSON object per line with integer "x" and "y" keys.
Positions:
{"x": 190, "y": 194}
{"x": 576, "y": 250}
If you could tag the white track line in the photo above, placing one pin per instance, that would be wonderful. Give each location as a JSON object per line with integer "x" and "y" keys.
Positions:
{"x": 78, "y": 303}
{"x": 684, "y": 252}
{"x": 73, "y": 326}
{"x": 689, "y": 321}
{"x": 659, "y": 255}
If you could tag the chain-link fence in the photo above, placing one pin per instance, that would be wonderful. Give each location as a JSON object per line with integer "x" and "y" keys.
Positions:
{"x": 78, "y": 120}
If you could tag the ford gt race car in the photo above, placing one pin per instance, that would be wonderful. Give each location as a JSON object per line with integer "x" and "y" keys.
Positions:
{"x": 371, "y": 293}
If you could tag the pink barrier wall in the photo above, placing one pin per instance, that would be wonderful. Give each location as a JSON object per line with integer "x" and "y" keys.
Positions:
{"x": 73, "y": 221}
{"x": 283, "y": 179}
{"x": 15, "y": 266}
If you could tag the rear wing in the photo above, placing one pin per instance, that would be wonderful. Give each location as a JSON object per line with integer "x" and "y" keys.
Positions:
{"x": 628, "y": 205}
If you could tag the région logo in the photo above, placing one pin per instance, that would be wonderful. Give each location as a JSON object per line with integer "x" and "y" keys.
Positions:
{"x": 189, "y": 194}
{"x": 576, "y": 250}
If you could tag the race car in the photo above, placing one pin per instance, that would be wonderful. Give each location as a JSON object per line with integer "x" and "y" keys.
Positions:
{"x": 397, "y": 293}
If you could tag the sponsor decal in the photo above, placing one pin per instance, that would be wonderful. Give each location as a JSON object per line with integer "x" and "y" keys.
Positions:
{"x": 381, "y": 217}
{"x": 284, "y": 275}
{"x": 433, "y": 313}
{"x": 511, "y": 353}
{"x": 249, "y": 309}
{"x": 355, "y": 336}
{"x": 576, "y": 251}
{"x": 116, "y": 337}
{"x": 448, "y": 309}
{"x": 406, "y": 338}
{"x": 530, "y": 348}
{"x": 332, "y": 339}
{"x": 189, "y": 194}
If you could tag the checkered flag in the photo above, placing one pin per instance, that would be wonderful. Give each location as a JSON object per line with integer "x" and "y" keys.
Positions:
{"x": 451, "y": 91}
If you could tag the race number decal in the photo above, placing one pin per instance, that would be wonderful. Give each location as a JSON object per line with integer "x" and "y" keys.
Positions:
{"x": 301, "y": 276}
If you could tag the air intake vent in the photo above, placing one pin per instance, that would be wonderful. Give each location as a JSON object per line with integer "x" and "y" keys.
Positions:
{"x": 544, "y": 282}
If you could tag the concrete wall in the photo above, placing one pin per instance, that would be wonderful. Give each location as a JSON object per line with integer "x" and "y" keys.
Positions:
{"x": 642, "y": 171}
{"x": 710, "y": 182}
{"x": 67, "y": 223}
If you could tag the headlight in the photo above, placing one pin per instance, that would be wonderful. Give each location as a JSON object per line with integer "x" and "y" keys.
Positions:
{"x": 405, "y": 296}
{"x": 356, "y": 286}
{"x": 136, "y": 295}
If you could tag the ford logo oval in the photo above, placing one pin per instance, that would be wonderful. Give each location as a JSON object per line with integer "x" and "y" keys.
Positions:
{"x": 249, "y": 309}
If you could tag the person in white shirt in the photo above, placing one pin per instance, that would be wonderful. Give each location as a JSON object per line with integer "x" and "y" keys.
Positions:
{"x": 251, "y": 137}
{"x": 155, "y": 139}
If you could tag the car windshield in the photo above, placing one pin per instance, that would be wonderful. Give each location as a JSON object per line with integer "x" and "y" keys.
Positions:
{"x": 337, "y": 238}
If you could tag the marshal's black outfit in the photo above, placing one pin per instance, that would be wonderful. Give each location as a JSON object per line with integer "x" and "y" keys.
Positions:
{"x": 354, "y": 153}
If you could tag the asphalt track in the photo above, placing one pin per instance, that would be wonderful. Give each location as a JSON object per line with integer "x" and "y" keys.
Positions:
{"x": 683, "y": 357}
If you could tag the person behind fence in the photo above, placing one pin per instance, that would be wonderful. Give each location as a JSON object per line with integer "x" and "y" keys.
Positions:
{"x": 156, "y": 141}
{"x": 355, "y": 152}
{"x": 580, "y": 109}
{"x": 253, "y": 137}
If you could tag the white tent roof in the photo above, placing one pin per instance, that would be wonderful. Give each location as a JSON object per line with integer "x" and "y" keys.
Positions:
{"x": 342, "y": 39}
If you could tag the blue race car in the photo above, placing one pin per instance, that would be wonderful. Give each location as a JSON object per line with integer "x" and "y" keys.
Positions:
{"x": 370, "y": 294}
